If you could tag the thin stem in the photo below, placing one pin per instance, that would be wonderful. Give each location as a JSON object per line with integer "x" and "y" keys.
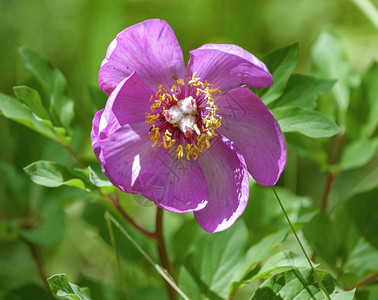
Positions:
{"x": 110, "y": 229}
{"x": 39, "y": 264}
{"x": 331, "y": 175}
{"x": 75, "y": 157}
{"x": 128, "y": 218}
{"x": 162, "y": 271}
{"x": 322, "y": 287}
{"x": 369, "y": 10}
{"x": 163, "y": 251}
{"x": 365, "y": 281}
{"x": 327, "y": 190}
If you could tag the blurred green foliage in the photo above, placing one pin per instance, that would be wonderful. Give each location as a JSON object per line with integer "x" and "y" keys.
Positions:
{"x": 64, "y": 228}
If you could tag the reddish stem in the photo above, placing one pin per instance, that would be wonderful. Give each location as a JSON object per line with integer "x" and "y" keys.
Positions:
{"x": 39, "y": 264}
{"x": 332, "y": 175}
{"x": 163, "y": 251}
{"x": 365, "y": 281}
{"x": 128, "y": 218}
{"x": 75, "y": 157}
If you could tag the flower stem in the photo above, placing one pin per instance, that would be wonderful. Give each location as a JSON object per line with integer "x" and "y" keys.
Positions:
{"x": 331, "y": 175}
{"x": 163, "y": 251}
{"x": 73, "y": 154}
{"x": 322, "y": 287}
{"x": 365, "y": 281}
{"x": 111, "y": 233}
{"x": 128, "y": 218}
{"x": 368, "y": 9}
{"x": 39, "y": 264}
{"x": 162, "y": 271}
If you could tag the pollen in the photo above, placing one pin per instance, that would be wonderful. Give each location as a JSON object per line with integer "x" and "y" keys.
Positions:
{"x": 184, "y": 117}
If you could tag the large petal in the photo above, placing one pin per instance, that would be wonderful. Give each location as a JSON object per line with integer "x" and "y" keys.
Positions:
{"x": 150, "y": 48}
{"x": 174, "y": 184}
{"x": 228, "y": 66}
{"x": 125, "y": 153}
{"x": 255, "y": 132}
{"x": 128, "y": 103}
{"x": 228, "y": 183}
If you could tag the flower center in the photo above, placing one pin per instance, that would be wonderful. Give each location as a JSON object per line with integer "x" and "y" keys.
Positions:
{"x": 184, "y": 114}
{"x": 184, "y": 117}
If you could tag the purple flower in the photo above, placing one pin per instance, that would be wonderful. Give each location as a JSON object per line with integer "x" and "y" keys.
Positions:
{"x": 185, "y": 138}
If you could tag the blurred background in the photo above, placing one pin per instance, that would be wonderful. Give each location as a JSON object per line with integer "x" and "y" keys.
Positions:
{"x": 75, "y": 34}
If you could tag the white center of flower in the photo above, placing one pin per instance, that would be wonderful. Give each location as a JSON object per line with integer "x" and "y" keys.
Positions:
{"x": 184, "y": 114}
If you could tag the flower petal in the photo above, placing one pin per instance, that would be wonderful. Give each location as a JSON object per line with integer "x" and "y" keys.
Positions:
{"x": 125, "y": 153}
{"x": 127, "y": 104}
{"x": 228, "y": 66}
{"x": 176, "y": 185}
{"x": 228, "y": 183}
{"x": 94, "y": 133}
{"x": 255, "y": 132}
{"x": 150, "y": 48}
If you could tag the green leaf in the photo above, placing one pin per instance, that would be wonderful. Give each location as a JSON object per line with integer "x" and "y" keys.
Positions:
{"x": 52, "y": 174}
{"x": 98, "y": 179}
{"x": 357, "y": 154}
{"x": 255, "y": 255}
{"x": 330, "y": 61}
{"x": 280, "y": 63}
{"x": 354, "y": 181}
{"x": 63, "y": 289}
{"x": 32, "y": 99}
{"x": 257, "y": 252}
{"x": 216, "y": 257}
{"x": 361, "y": 119}
{"x": 323, "y": 238}
{"x": 280, "y": 262}
{"x": 300, "y": 284}
{"x": 306, "y": 121}
{"x": 264, "y": 216}
{"x": 12, "y": 109}
{"x": 61, "y": 105}
{"x": 370, "y": 88}
{"x": 302, "y": 91}
{"x": 184, "y": 240}
{"x": 357, "y": 222}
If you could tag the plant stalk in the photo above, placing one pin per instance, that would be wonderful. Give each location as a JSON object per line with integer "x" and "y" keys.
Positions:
{"x": 330, "y": 175}
{"x": 39, "y": 264}
{"x": 128, "y": 218}
{"x": 321, "y": 286}
{"x": 163, "y": 251}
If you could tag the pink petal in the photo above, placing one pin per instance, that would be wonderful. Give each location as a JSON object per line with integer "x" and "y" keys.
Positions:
{"x": 128, "y": 103}
{"x": 125, "y": 153}
{"x": 150, "y": 48}
{"x": 94, "y": 134}
{"x": 176, "y": 185}
{"x": 228, "y": 66}
{"x": 255, "y": 132}
{"x": 228, "y": 183}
